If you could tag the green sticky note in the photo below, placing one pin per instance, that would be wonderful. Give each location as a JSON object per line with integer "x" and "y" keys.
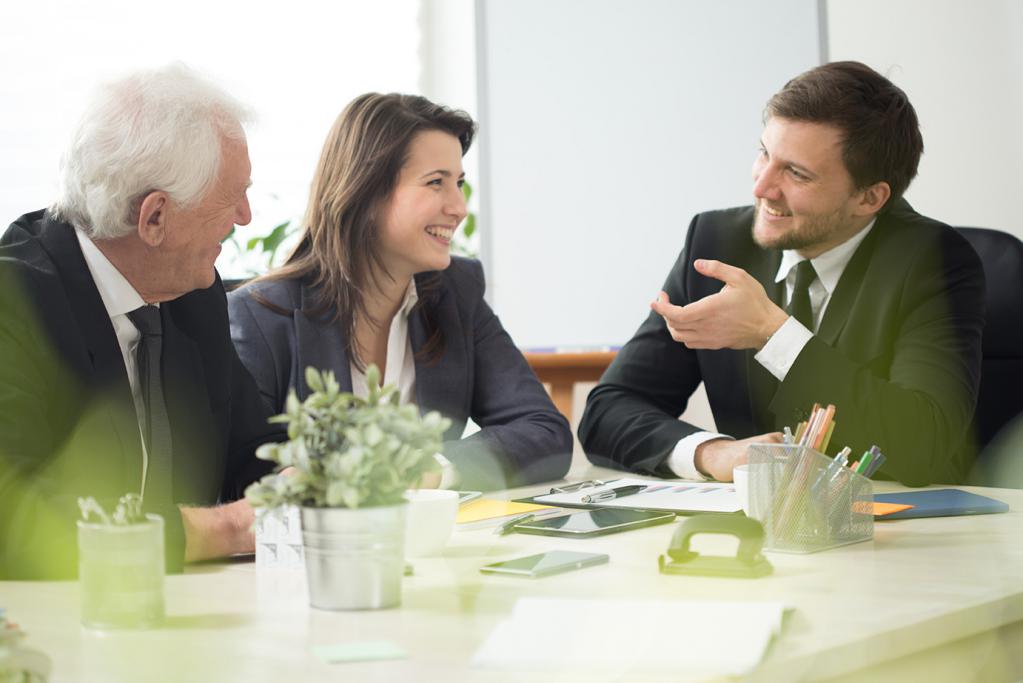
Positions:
{"x": 359, "y": 651}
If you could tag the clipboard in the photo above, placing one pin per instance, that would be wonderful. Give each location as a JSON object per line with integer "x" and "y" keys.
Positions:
{"x": 680, "y": 497}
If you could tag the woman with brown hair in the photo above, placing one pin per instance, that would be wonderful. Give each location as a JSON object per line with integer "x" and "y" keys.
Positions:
{"x": 372, "y": 281}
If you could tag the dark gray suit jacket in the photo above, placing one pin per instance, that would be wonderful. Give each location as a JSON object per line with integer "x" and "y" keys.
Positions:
{"x": 480, "y": 375}
{"x": 897, "y": 352}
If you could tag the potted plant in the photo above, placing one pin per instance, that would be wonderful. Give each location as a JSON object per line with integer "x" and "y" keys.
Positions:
{"x": 120, "y": 565}
{"x": 349, "y": 462}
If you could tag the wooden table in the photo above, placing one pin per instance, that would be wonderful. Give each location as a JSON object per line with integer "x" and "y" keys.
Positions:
{"x": 561, "y": 371}
{"x": 927, "y": 599}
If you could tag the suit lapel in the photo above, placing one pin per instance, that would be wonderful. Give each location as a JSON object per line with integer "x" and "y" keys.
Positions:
{"x": 109, "y": 378}
{"x": 318, "y": 343}
{"x": 441, "y": 382}
{"x": 849, "y": 288}
{"x": 91, "y": 316}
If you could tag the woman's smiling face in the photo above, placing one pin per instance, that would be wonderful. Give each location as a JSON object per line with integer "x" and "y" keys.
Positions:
{"x": 424, "y": 210}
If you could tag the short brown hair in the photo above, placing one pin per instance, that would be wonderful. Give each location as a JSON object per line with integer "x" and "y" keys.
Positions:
{"x": 881, "y": 138}
{"x": 339, "y": 251}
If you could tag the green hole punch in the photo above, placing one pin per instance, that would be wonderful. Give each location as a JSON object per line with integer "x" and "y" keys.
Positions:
{"x": 748, "y": 562}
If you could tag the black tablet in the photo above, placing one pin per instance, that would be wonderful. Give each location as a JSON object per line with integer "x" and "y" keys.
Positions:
{"x": 594, "y": 522}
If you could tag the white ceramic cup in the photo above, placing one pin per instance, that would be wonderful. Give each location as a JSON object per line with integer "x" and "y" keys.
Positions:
{"x": 740, "y": 477}
{"x": 430, "y": 519}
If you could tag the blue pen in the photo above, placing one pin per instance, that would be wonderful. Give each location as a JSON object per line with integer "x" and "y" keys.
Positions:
{"x": 842, "y": 459}
{"x": 875, "y": 464}
{"x": 788, "y": 436}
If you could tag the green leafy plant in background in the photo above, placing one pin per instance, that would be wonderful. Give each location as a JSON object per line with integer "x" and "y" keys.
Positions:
{"x": 269, "y": 244}
{"x": 348, "y": 451}
{"x": 462, "y": 243}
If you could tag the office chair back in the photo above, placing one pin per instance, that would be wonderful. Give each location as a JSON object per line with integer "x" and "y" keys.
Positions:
{"x": 1001, "y": 375}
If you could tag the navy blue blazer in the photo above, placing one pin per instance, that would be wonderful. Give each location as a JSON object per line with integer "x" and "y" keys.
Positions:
{"x": 480, "y": 375}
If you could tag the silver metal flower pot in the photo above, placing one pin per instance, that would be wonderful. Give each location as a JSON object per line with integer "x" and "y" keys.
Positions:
{"x": 354, "y": 559}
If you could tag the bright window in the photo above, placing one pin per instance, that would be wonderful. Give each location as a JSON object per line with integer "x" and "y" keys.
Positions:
{"x": 296, "y": 63}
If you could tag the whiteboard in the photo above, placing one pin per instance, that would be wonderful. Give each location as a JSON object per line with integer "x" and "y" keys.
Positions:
{"x": 605, "y": 125}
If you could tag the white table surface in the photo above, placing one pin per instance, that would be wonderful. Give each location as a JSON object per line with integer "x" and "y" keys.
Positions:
{"x": 927, "y": 599}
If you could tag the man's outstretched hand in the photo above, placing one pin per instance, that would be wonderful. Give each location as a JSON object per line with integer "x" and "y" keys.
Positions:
{"x": 740, "y": 316}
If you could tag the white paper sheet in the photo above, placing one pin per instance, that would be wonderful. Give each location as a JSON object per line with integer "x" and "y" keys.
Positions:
{"x": 689, "y": 640}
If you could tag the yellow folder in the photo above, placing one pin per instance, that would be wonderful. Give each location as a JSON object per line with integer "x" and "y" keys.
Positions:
{"x": 488, "y": 509}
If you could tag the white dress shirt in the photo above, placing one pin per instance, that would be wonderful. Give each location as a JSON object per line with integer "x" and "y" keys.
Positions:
{"x": 780, "y": 352}
{"x": 120, "y": 299}
{"x": 401, "y": 366}
{"x": 401, "y": 371}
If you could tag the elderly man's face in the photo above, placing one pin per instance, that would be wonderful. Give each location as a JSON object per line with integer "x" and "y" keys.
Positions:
{"x": 194, "y": 235}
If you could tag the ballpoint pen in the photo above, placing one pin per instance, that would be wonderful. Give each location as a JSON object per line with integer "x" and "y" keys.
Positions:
{"x": 611, "y": 494}
{"x": 507, "y": 527}
{"x": 864, "y": 462}
{"x": 875, "y": 464}
{"x": 832, "y": 469}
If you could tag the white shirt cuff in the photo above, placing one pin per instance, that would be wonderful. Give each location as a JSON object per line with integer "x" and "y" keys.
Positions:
{"x": 781, "y": 350}
{"x": 682, "y": 460}
{"x": 448, "y": 472}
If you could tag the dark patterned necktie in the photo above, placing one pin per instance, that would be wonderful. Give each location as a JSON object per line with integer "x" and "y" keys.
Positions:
{"x": 799, "y": 304}
{"x": 155, "y": 423}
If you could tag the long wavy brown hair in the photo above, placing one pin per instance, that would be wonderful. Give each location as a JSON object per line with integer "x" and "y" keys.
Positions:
{"x": 339, "y": 251}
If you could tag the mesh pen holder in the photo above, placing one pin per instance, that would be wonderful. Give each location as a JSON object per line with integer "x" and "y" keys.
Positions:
{"x": 805, "y": 502}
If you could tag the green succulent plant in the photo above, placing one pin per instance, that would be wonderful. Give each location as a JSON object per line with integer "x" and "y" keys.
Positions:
{"x": 128, "y": 511}
{"x": 348, "y": 451}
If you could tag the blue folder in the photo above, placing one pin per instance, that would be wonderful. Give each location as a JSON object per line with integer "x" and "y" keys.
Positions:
{"x": 940, "y": 503}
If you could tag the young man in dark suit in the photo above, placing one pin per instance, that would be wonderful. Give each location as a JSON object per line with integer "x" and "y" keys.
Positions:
{"x": 118, "y": 372}
{"x": 830, "y": 289}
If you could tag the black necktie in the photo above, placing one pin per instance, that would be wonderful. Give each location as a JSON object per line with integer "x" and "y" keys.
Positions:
{"x": 155, "y": 423}
{"x": 799, "y": 304}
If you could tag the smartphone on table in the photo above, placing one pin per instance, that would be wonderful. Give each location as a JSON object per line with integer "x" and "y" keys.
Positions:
{"x": 546, "y": 564}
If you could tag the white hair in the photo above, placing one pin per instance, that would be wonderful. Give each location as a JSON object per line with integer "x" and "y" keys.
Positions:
{"x": 157, "y": 129}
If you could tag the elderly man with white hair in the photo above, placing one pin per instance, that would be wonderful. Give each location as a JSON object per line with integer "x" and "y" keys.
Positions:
{"x": 117, "y": 372}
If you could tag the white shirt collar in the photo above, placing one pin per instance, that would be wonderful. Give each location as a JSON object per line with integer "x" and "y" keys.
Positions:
{"x": 830, "y": 265}
{"x": 410, "y": 300}
{"x": 119, "y": 297}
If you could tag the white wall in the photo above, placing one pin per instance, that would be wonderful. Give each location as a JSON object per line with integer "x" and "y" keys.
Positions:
{"x": 605, "y": 126}
{"x": 961, "y": 64}
{"x": 447, "y": 53}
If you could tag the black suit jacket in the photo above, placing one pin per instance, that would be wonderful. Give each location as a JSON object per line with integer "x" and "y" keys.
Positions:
{"x": 67, "y": 421}
{"x": 897, "y": 352}
{"x": 481, "y": 374}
